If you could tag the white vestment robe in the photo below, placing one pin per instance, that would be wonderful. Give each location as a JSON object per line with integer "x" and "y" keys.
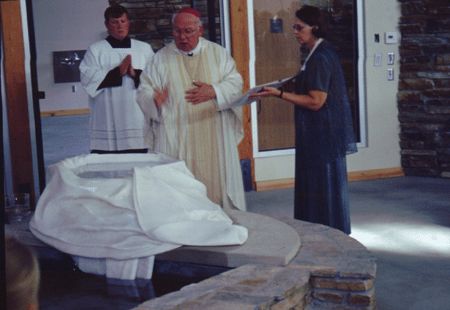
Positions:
{"x": 116, "y": 122}
{"x": 205, "y": 135}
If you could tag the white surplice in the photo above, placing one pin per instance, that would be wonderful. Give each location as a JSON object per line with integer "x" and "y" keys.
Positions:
{"x": 205, "y": 135}
{"x": 116, "y": 121}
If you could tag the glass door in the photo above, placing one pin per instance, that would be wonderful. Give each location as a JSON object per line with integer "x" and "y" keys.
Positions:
{"x": 276, "y": 54}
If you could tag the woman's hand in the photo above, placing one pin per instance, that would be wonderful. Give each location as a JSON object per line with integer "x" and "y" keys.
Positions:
{"x": 266, "y": 92}
{"x": 314, "y": 100}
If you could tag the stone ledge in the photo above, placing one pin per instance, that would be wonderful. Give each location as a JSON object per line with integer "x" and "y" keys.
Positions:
{"x": 270, "y": 242}
{"x": 241, "y": 288}
{"x": 327, "y": 257}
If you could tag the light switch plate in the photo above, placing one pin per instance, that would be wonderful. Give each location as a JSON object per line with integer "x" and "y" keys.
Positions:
{"x": 390, "y": 74}
{"x": 377, "y": 59}
{"x": 390, "y": 58}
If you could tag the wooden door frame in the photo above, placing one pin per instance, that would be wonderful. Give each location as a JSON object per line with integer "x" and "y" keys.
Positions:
{"x": 16, "y": 98}
{"x": 241, "y": 54}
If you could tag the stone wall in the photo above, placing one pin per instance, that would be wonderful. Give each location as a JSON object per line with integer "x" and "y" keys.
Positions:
{"x": 151, "y": 19}
{"x": 424, "y": 87}
{"x": 330, "y": 271}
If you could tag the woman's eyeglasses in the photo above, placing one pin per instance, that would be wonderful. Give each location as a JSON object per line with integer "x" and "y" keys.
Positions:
{"x": 297, "y": 27}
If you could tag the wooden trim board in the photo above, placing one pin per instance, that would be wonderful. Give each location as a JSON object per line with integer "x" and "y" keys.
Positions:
{"x": 16, "y": 98}
{"x": 352, "y": 176}
{"x": 375, "y": 174}
{"x": 65, "y": 112}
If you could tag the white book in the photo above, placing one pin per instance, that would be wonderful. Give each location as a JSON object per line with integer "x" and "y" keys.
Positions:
{"x": 245, "y": 99}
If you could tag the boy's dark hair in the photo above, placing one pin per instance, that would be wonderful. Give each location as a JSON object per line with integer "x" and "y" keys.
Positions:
{"x": 115, "y": 11}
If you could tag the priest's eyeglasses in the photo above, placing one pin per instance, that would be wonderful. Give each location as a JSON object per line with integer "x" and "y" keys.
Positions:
{"x": 187, "y": 32}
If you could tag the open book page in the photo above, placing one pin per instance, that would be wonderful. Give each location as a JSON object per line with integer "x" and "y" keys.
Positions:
{"x": 245, "y": 99}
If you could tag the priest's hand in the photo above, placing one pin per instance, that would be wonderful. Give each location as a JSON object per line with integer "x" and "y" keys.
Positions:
{"x": 125, "y": 65}
{"x": 160, "y": 96}
{"x": 201, "y": 93}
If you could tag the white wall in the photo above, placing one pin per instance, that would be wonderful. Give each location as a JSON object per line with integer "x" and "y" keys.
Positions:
{"x": 59, "y": 26}
{"x": 382, "y": 150}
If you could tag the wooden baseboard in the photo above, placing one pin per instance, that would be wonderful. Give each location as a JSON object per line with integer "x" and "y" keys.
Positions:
{"x": 375, "y": 174}
{"x": 352, "y": 176}
{"x": 274, "y": 184}
{"x": 65, "y": 112}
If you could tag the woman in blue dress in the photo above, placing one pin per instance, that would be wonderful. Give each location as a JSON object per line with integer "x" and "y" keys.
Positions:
{"x": 323, "y": 126}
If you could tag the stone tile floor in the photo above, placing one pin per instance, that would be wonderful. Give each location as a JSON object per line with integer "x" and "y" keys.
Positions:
{"x": 405, "y": 223}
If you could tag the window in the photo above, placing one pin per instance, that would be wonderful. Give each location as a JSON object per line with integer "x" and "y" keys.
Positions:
{"x": 275, "y": 54}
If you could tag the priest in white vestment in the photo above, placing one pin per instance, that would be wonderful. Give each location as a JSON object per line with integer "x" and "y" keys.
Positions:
{"x": 185, "y": 93}
{"x": 110, "y": 73}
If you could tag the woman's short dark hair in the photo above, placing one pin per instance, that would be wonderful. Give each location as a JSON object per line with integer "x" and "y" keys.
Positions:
{"x": 115, "y": 11}
{"x": 315, "y": 18}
